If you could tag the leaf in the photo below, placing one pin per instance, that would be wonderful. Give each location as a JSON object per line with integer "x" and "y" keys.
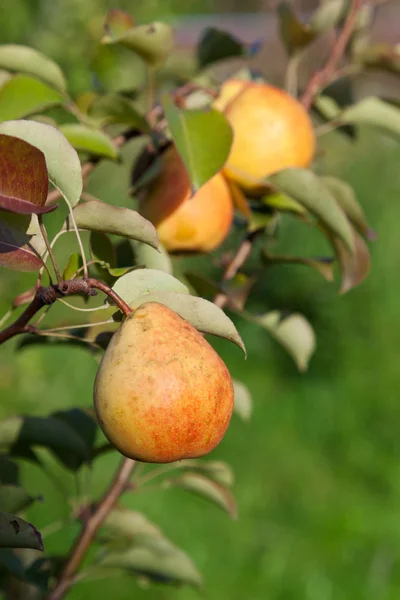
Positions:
{"x": 202, "y": 285}
{"x": 327, "y": 107}
{"x": 105, "y": 218}
{"x": 89, "y": 140}
{"x": 217, "y": 470}
{"x": 239, "y": 199}
{"x": 346, "y": 199}
{"x": 122, "y": 522}
{"x": 382, "y": 56}
{"x": 373, "y": 111}
{"x": 24, "y": 180}
{"x": 210, "y": 490}
{"x": 215, "y": 45}
{"x": 14, "y": 498}
{"x": 74, "y": 264}
{"x": 327, "y": 15}
{"x": 152, "y": 42}
{"x": 9, "y": 471}
{"x": 14, "y": 57}
{"x": 117, "y": 109}
{"x": 63, "y": 165}
{"x": 283, "y": 202}
{"x": 18, "y": 435}
{"x": 322, "y": 265}
{"x": 22, "y": 96}
{"x": 149, "y": 552}
{"x": 243, "y": 405}
{"x": 354, "y": 267}
{"x": 17, "y": 533}
{"x": 202, "y": 314}
{"x": 294, "y": 333}
{"x": 294, "y": 34}
{"x": 141, "y": 282}
{"x": 203, "y": 140}
{"x": 308, "y": 189}
{"x": 151, "y": 258}
{"x": 81, "y": 422}
{"x": 11, "y": 563}
{"x": 21, "y": 242}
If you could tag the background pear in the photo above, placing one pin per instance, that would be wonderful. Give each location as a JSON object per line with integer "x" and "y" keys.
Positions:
{"x": 184, "y": 222}
{"x": 162, "y": 393}
{"x": 272, "y": 131}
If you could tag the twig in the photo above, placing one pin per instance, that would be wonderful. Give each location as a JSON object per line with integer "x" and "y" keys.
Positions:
{"x": 90, "y": 528}
{"x": 241, "y": 255}
{"x": 49, "y": 249}
{"x": 323, "y": 77}
{"x": 48, "y": 295}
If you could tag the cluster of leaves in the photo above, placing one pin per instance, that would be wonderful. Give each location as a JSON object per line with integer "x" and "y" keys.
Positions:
{"x": 48, "y": 138}
{"x": 128, "y": 540}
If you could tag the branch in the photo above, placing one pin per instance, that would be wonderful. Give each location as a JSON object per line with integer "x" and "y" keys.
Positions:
{"x": 90, "y": 528}
{"x": 48, "y": 295}
{"x": 321, "y": 78}
{"x": 241, "y": 255}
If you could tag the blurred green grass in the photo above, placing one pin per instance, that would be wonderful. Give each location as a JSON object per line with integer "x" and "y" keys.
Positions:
{"x": 317, "y": 475}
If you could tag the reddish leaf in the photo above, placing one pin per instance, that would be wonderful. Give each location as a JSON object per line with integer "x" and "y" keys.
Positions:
{"x": 24, "y": 179}
{"x": 354, "y": 267}
{"x": 20, "y": 243}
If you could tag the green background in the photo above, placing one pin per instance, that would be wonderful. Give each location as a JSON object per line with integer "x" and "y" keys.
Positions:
{"x": 317, "y": 468}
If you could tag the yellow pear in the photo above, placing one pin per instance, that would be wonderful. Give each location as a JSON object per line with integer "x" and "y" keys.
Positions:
{"x": 162, "y": 393}
{"x": 184, "y": 222}
{"x": 271, "y": 131}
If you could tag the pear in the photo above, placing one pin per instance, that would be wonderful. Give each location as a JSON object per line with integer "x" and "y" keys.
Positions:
{"x": 162, "y": 393}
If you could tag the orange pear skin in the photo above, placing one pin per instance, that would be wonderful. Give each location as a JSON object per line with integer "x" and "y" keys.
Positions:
{"x": 184, "y": 222}
{"x": 272, "y": 131}
{"x": 162, "y": 393}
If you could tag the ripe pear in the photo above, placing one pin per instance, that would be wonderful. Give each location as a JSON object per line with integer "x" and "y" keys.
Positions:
{"x": 271, "y": 131}
{"x": 187, "y": 222}
{"x": 162, "y": 393}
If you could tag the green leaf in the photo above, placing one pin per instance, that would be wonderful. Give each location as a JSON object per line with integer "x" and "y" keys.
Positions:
{"x": 151, "y": 258}
{"x": 382, "y": 56}
{"x": 21, "y": 242}
{"x": 74, "y": 263}
{"x": 152, "y": 42}
{"x": 327, "y": 15}
{"x": 142, "y": 282}
{"x": 117, "y": 109}
{"x": 216, "y": 45}
{"x": 203, "y": 140}
{"x": 202, "y": 314}
{"x": 327, "y": 107}
{"x": 283, "y": 202}
{"x": 217, "y": 470}
{"x": 294, "y": 34}
{"x": 81, "y": 422}
{"x": 14, "y": 57}
{"x": 202, "y": 285}
{"x": 346, "y": 198}
{"x": 17, "y": 533}
{"x": 18, "y": 435}
{"x": 210, "y": 490}
{"x": 294, "y": 333}
{"x": 373, "y": 111}
{"x": 9, "y": 471}
{"x": 62, "y": 160}
{"x": 89, "y": 140}
{"x": 243, "y": 405}
{"x": 106, "y": 218}
{"x": 14, "y": 498}
{"x": 310, "y": 191}
{"x": 324, "y": 266}
{"x": 22, "y": 96}
{"x": 11, "y": 563}
{"x": 149, "y": 552}
{"x": 355, "y": 266}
